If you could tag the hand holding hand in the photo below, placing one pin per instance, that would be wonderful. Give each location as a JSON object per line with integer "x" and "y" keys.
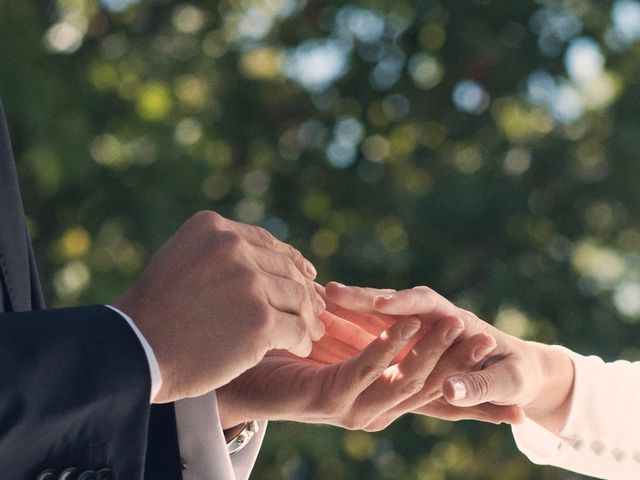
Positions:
{"x": 350, "y": 379}
{"x": 536, "y": 377}
{"x": 216, "y": 297}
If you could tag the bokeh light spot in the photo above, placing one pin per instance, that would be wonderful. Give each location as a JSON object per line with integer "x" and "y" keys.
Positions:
{"x": 584, "y": 60}
{"x": 264, "y": 62}
{"x": 432, "y": 37}
{"x": 425, "y": 70}
{"x": 74, "y": 243}
{"x": 513, "y": 321}
{"x": 188, "y": 18}
{"x": 359, "y": 445}
{"x": 71, "y": 280}
{"x": 324, "y": 243}
{"x": 316, "y": 64}
{"x": 470, "y": 97}
{"x": 626, "y": 298}
{"x": 154, "y": 101}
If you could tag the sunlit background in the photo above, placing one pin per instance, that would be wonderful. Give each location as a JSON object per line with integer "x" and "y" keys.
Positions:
{"x": 486, "y": 148}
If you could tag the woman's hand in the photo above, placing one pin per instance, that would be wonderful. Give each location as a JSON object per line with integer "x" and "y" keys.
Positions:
{"x": 536, "y": 377}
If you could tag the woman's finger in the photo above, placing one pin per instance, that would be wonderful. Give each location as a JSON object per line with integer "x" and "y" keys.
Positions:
{"x": 461, "y": 357}
{"x": 430, "y": 306}
{"x": 415, "y": 301}
{"x": 359, "y": 330}
{"x": 421, "y": 301}
{"x": 486, "y": 412}
{"x": 361, "y": 371}
{"x": 330, "y": 350}
{"x": 347, "y": 332}
{"x": 407, "y": 378}
{"x": 359, "y": 299}
{"x": 373, "y": 324}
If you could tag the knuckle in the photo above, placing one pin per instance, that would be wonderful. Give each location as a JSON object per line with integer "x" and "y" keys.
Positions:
{"x": 370, "y": 371}
{"x": 257, "y": 325}
{"x": 267, "y": 239}
{"x": 377, "y": 426}
{"x": 469, "y": 318}
{"x": 302, "y": 338}
{"x": 428, "y": 395}
{"x": 234, "y": 247}
{"x": 353, "y": 422}
{"x": 260, "y": 312}
{"x": 229, "y": 242}
{"x": 250, "y": 281}
{"x": 295, "y": 255}
{"x": 234, "y": 241}
{"x": 428, "y": 352}
{"x": 411, "y": 387}
{"x": 332, "y": 407}
{"x": 327, "y": 407}
{"x": 422, "y": 289}
{"x": 297, "y": 289}
{"x": 306, "y": 383}
{"x": 348, "y": 423}
{"x": 318, "y": 331}
{"x": 208, "y": 218}
{"x": 300, "y": 293}
{"x": 292, "y": 333}
{"x": 305, "y": 330}
{"x": 481, "y": 385}
{"x": 291, "y": 270}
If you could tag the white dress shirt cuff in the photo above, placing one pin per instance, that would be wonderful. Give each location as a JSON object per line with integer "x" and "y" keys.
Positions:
{"x": 203, "y": 448}
{"x": 154, "y": 368}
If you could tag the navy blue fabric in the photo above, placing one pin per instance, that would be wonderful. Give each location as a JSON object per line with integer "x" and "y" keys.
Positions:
{"x": 4, "y": 296}
{"x": 14, "y": 242}
{"x": 74, "y": 383}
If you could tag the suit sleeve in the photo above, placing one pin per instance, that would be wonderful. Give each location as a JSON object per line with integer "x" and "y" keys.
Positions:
{"x": 600, "y": 437}
{"x": 74, "y": 393}
{"x": 191, "y": 447}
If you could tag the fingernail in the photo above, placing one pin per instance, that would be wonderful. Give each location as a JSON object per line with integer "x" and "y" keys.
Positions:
{"x": 339, "y": 285}
{"x": 410, "y": 330}
{"x": 481, "y": 352}
{"x": 311, "y": 270}
{"x": 452, "y": 334}
{"x": 459, "y": 389}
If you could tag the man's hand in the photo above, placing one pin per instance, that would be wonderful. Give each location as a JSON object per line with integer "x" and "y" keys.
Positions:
{"x": 536, "y": 377}
{"x": 351, "y": 379}
{"x": 216, "y": 297}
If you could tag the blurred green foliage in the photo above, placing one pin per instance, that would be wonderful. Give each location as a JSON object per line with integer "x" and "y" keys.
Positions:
{"x": 485, "y": 148}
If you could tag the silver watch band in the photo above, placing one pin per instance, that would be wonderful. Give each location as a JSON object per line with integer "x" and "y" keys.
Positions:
{"x": 241, "y": 440}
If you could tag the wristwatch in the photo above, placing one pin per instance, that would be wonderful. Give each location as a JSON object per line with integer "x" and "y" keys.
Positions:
{"x": 243, "y": 436}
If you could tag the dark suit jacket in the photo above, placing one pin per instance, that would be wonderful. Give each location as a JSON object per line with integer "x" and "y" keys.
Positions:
{"x": 74, "y": 383}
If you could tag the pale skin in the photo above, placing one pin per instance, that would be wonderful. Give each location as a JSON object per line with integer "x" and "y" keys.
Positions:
{"x": 359, "y": 379}
{"x": 535, "y": 377}
{"x": 219, "y": 295}
{"x": 351, "y": 379}
{"x": 215, "y": 286}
